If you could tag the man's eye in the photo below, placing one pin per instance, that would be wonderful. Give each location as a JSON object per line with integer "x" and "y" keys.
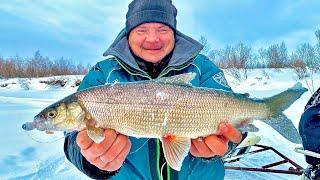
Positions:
{"x": 163, "y": 30}
{"x": 141, "y": 31}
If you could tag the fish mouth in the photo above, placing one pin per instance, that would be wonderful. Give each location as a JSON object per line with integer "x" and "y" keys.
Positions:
{"x": 28, "y": 126}
{"x": 40, "y": 124}
{"x": 34, "y": 125}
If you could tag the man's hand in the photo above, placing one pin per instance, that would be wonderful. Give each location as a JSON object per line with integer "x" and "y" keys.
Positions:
{"x": 108, "y": 155}
{"x": 215, "y": 144}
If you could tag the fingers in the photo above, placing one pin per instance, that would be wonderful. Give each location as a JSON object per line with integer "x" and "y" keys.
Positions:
{"x": 96, "y": 150}
{"x": 194, "y": 151}
{"x": 200, "y": 149}
{"x": 83, "y": 140}
{"x": 230, "y": 132}
{"x": 217, "y": 144}
{"x": 108, "y": 155}
{"x": 118, "y": 145}
{"x": 209, "y": 146}
{"x": 98, "y": 163}
{"x": 118, "y": 161}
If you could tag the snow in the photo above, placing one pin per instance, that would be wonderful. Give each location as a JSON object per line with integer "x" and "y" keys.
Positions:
{"x": 25, "y": 155}
{"x": 37, "y": 156}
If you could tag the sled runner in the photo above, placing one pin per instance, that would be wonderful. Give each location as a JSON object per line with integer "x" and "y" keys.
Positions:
{"x": 294, "y": 169}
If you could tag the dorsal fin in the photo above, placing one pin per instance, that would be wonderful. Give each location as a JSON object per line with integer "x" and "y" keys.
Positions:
{"x": 181, "y": 79}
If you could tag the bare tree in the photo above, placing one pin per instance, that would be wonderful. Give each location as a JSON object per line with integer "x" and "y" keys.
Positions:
{"x": 262, "y": 58}
{"x": 307, "y": 54}
{"x": 284, "y": 54}
{"x": 39, "y": 66}
{"x": 299, "y": 66}
{"x": 212, "y": 55}
{"x": 317, "y": 33}
{"x": 206, "y": 45}
{"x": 317, "y": 48}
{"x": 19, "y": 66}
{"x": 224, "y": 57}
{"x": 235, "y": 59}
{"x": 277, "y": 56}
{"x": 2, "y": 68}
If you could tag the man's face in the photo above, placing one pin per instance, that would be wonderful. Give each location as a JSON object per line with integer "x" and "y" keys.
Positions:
{"x": 151, "y": 41}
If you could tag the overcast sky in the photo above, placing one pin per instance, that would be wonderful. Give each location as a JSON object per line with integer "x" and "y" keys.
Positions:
{"x": 83, "y": 29}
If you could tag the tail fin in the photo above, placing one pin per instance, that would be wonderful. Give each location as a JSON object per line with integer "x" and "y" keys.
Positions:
{"x": 282, "y": 101}
{"x": 277, "y": 119}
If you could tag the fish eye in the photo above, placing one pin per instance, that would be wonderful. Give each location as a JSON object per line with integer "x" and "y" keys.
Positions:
{"x": 52, "y": 114}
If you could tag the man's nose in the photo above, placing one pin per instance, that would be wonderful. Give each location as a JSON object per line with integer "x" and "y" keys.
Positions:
{"x": 152, "y": 36}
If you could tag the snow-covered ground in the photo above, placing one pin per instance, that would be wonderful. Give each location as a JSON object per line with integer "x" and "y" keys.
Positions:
{"x": 27, "y": 156}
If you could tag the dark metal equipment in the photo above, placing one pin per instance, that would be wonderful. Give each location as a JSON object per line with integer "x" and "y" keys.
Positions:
{"x": 295, "y": 169}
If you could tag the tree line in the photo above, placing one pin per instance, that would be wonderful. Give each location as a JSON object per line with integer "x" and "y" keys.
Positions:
{"x": 39, "y": 66}
{"x": 241, "y": 57}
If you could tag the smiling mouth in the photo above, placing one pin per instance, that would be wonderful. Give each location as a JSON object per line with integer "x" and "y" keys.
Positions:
{"x": 153, "y": 51}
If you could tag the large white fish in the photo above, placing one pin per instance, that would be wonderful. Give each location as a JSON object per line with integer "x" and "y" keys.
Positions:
{"x": 169, "y": 109}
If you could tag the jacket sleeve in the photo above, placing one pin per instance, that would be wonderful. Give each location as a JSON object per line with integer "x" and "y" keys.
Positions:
{"x": 71, "y": 149}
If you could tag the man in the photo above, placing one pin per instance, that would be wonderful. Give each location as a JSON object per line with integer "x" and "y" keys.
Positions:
{"x": 309, "y": 128}
{"x": 150, "y": 47}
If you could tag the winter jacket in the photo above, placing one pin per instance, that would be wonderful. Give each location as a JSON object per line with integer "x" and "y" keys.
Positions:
{"x": 120, "y": 66}
{"x": 309, "y": 127}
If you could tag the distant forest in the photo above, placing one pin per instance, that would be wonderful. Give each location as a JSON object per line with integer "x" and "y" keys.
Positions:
{"x": 274, "y": 56}
{"x": 237, "y": 58}
{"x": 39, "y": 66}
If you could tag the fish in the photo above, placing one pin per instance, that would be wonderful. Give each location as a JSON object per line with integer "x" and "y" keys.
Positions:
{"x": 167, "y": 108}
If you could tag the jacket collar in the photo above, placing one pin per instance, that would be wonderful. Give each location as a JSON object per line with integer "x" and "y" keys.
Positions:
{"x": 185, "y": 49}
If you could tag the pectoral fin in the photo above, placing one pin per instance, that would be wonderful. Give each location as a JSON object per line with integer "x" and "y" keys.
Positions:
{"x": 175, "y": 150}
{"x": 96, "y": 134}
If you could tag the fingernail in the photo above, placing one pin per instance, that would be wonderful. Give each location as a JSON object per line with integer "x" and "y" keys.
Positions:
{"x": 101, "y": 159}
{"x": 223, "y": 128}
